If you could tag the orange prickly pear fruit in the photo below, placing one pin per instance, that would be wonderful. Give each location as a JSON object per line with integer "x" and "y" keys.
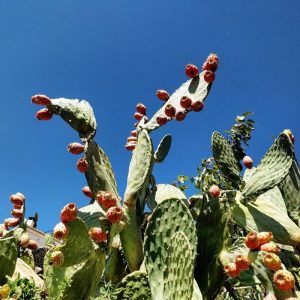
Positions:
{"x": 242, "y": 262}
{"x": 97, "y": 234}
{"x": 272, "y": 261}
{"x": 265, "y": 237}
{"x": 68, "y": 213}
{"x": 114, "y": 214}
{"x": 231, "y": 270}
{"x": 191, "y": 71}
{"x": 41, "y": 100}
{"x": 60, "y": 231}
{"x": 270, "y": 247}
{"x": 284, "y": 280}
{"x": 252, "y": 241}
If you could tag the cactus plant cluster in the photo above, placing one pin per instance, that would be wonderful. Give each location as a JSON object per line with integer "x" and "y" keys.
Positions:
{"x": 238, "y": 233}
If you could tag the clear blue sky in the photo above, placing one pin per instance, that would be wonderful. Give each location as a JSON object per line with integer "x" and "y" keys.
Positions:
{"x": 117, "y": 53}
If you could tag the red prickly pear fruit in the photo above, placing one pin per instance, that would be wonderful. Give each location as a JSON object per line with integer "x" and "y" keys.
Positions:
{"x": 17, "y": 199}
{"x": 60, "y": 231}
{"x": 270, "y": 247}
{"x": 24, "y": 240}
{"x": 17, "y": 206}
{"x": 242, "y": 262}
{"x": 114, "y": 214}
{"x": 191, "y": 71}
{"x": 68, "y": 213}
{"x": 75, "y": 148}
{"x": 133, "y": 133}
{"x": 270, "y": 296}
{"x": 265, "y": 237}
{"x": 284, "y": 280}
{"x": 106, "y": 199}
{"x": 170, "y": 110}
{"x": 82, "y": 165}
{"x": 197, "y": 106}
{"x": 87, "y": 192}
{"x": 11, "y": 222}
{"x": 41, "y": 100}
{"x": 248, "y": 162}
{"x": 32, "y": 245}
{"x": 138, "y": 116}
{"x": 252, "y": 241}
{"x": 130, "y": 146}
{"x": 97, "y": 234}
{"x": 141, "y": 108}
{"x": 17, "y": 213}
{"x": 44, "y": 114}
{"x": 185, "y": 102}
{"x": 211, "y": 63}
{"x": 161, "y": 120}
{"x": 132, "y": 139}
{"x": 231, "y": 270}
{"x": 214, "y": 191}
{"x": 57, "y": 258}
{"x": 162, "y": 95}
{"x": 272, "y": 261}
{"x": 289, "y": 134}
{"x": 180, "y": 115}
{"x": 209, "y": 76}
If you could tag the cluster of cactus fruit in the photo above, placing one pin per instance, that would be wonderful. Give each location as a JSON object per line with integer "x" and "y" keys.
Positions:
{"x": 237, "y": 232}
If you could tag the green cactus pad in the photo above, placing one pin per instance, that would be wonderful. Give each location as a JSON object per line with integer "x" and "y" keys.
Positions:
{"x": 213, "y": 239}
{"x": 8, "y": 256}
{"x": 90, "y": 214}
{"x": 179, "y": 272}
{"x": 290, "y": 189}
{"x": 225, "y": 158}
{"x": 78, "y": 114}
{"x": 100, "y": 175}
{"x": 82, "y": 259}
{"x": 164, "y": 192}
{"x": 265, "y": 216}
{"x": 163, "y": 148}
{"x": 134, "y": 286}
{"x": 196, "y": 89}
{"x": 169, "y": 217}
{"x": 273, "y": 168}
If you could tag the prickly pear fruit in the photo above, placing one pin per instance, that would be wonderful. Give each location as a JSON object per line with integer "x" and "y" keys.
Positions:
{"x": 133, "y": 133}
{"x": 265, "y": 237}
{"x": 214, "y": 191}
{"x": 82, "y": 165}
{"x": 290, "y": 135}
{"x": 130, "y": 146}
{"x": 57, "y": 258}
{"x": 180, "y": 115}
{"x": 270, "y": 247}
{"x": 284, "y": 280}
{"x": 242, "y": 262}
{"x": 191, "y": 71}
{"x": 75, "y": 148}
{"x": 211, "y": 63}
{"x": 17, "y": 199}
{"x": 106, "y": 199}
{"x": 161, "y": 120}
{"x": 44, "y": 114}
{"x": 272, "y": 261}
{"x": 248, "y": 162}
{"x": 60, "y": 231}
{"x": 185, "y": 102}
{"x": 162, "y": 95}
{"x": 97, "y": 234}
{"x": 114, "y": 214}
{"x": 141, "y": 108}
{"x": 68, "y": 213}
{"x": 138, "y": 116}
{"x": 17, "y": 213}
{"x": 197, "y": 106}
{"x": 24, "y": 240}
{"x": 252, "y": 241}
{"x": 231, "y": 270}
{"x": 132, "y": 139}
{"x": 32, "y": 245}
{"x": 11, "y": 222}
{"x": 170, "y": 110}
{"x": 209, "y": 76}
{"x": 41, "y": 100}
{"x": 87, "y": 192}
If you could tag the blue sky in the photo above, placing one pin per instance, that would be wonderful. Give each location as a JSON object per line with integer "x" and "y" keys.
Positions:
{"x": 117, "y": 53}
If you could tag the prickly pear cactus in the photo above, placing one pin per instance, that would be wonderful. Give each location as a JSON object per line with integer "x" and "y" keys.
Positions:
{"x": 82, "y": 259}
{"x": 91, "y": 213}
{"x": 163, "y": 148}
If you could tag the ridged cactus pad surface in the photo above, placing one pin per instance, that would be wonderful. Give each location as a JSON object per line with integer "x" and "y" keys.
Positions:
{"x": 179, "y": 272}
{"x": 77, "y": 113}
{"x": 163, "y": 148}
{"x": 168, "y": 218}
{"x": 273, "y": 168}
{"x": 90, "y": 214}
{"x": 225, "y": 158}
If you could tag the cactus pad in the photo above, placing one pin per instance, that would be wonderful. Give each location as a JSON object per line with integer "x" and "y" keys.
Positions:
{"x": 225, "y": 158}
{"x": 78, "y": 114}
{"x": 90, "y": 214}
{"x": 163, "y": 148}
{"x": 179, "y": 272}
{"x": 272, "y": 169}
{"x": 169, "y": 217}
